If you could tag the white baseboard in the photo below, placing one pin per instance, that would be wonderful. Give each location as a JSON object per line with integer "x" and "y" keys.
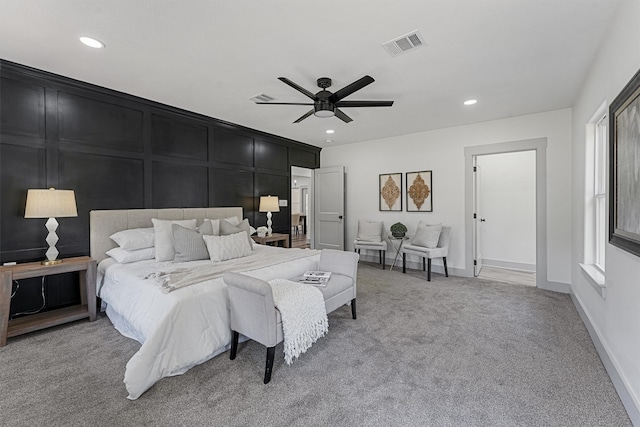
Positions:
{"x": 509, "y": 264}
{"x": 564, "y": 288}
{"x": 610, "y": 364}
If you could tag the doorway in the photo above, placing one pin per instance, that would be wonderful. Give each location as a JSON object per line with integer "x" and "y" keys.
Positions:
{"x": 301, "y": 206}
{"x": 505, "y": 209}
{"x": 539, "y": 147}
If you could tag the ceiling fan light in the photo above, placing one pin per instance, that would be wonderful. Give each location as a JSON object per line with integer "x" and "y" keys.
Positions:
{"x": 324, "y": 113}
{"x": 324, "y": 109}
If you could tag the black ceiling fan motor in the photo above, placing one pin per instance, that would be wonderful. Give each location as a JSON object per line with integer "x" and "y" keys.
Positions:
{"x": 324, "y": 82}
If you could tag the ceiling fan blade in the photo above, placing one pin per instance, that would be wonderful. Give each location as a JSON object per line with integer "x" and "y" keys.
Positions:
{"x": 305, "y": 115}
{"x": 297, "y": 87}
{"x": 349, "y": 89}
{"x": 342, "y": 116}
{"x": 347, "y": 104}
{"x": 286, "y": 103}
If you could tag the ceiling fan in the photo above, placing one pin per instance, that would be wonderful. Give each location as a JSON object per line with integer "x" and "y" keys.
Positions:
{"x": 327, "y": 104}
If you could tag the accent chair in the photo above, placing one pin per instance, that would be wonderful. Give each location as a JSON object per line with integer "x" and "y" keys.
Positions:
{"x": 430, "y": 241}
{"x": 370, "y": 237}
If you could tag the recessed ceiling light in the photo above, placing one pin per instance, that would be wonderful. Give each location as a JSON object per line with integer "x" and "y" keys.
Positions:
{"x": 328, "y": 140}
{"x": 97, "y": 44}
{"x": 330, "y": 131}
{"x": 470, "y": 101}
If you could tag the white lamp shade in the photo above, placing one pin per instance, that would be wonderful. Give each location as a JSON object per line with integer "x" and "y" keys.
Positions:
{"x": 51, "y": 203}
{"x": 269, "y": 204}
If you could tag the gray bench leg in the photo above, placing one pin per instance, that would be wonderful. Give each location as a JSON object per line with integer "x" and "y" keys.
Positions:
{"x": 446, "y": 272}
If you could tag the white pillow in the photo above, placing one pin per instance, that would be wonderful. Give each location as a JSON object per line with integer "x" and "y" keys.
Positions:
{"x": 232, "y": 246}
{"x": 164, "y": 236}
{"x": 370, "y": 231}
{"x": 124, "y": 256}
{"x": 136, "y": 238}
{"x": 427, "y": 235}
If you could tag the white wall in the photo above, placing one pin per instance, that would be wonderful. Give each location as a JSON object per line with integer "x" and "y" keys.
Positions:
{"x": 507, "y": 193}
{"x": 616, "y": 319}
{"x": 442, "y": 151}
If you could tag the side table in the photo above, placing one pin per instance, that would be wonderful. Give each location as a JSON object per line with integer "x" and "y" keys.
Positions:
{"x": 393, "y": 241}
{"x": 86, "y": 266}
{"x": 273, "y": 238}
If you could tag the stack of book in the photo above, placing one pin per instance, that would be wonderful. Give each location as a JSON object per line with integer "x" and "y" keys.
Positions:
{"x": 316, "y": 278}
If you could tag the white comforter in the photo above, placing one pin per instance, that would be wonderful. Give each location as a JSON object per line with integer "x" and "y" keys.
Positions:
{"x": 180, "y": 329}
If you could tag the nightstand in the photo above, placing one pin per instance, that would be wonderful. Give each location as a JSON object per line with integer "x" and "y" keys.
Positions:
{"x": 274, "y": 238}
{"x": 85, "y": 266}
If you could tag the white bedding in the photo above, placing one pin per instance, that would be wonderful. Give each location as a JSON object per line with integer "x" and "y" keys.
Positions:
{"x": 180, "y": 329}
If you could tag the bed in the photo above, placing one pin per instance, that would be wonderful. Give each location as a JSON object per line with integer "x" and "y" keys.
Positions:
{"x": 186, "y": 326}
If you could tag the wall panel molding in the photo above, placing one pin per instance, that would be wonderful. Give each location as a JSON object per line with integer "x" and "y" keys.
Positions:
{"x": 119, "y": 151}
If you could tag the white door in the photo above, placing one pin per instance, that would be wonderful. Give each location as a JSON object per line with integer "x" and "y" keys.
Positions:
{"x": 329, "y": 208}
{"x": 478, "y": 220}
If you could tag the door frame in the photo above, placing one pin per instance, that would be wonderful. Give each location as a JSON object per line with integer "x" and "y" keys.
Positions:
{"x": 477, "y": 218}
{"x": 539, "y": 145}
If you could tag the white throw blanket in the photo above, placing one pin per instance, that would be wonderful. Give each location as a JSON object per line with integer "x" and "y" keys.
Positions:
{"x": 180, "y": 277}
{"x": 304, "y": 316}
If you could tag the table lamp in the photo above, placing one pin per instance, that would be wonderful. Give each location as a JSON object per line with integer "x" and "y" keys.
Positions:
{"x": 269, "y": 204}
{"x": 51, "y": 203}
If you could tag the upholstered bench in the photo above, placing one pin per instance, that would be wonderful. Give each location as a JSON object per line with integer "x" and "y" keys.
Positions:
{"x": 254, "y": 315}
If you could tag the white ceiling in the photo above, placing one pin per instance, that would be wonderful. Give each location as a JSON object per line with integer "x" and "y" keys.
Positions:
{"x": 210, "y": 56}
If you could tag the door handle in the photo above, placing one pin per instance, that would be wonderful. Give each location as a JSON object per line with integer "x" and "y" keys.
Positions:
{"x": 339, "y": 216}
{"x": 482, "y": 220}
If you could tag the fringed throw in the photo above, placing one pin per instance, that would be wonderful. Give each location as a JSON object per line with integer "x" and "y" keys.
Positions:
{"x": 304, "y": 316}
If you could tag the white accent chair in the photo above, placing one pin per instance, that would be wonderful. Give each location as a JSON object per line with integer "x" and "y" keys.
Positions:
{"x": 370, "y": 237}
{"x": 254, "y": 315}
{"x": 428, "y": 253}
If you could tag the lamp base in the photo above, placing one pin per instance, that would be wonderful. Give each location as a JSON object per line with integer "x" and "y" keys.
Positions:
{"x": 269, "y": 230}
{"x": 51, "y": 261}
{"x": 52, "y": 239}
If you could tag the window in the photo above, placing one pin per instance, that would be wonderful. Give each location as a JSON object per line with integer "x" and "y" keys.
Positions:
{"x": 595, "y": 213}
{"x": 599, "y": 192}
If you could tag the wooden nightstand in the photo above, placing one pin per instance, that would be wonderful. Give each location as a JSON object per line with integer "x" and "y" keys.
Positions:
{"x": 274, "y": 238}
{"x": 85, "y": 265}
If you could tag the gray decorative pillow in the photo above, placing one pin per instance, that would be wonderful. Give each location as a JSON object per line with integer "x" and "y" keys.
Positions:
{"x": 164, "y": 236}
{"x": 226, "y": 228}
{"x": 370, "y": 231}
{"x": 189, "y": 244}
{"x": 206, "y": 228}
{"x": 427, "y": 235}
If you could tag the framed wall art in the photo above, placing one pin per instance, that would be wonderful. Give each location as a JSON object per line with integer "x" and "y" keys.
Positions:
{"x": 624, "y": 156}
{"x": 391, "y": 192}
{"x": 419, "y": 192}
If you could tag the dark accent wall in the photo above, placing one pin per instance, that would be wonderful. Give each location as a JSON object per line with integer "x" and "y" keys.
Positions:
{"x": 117, "y": 151}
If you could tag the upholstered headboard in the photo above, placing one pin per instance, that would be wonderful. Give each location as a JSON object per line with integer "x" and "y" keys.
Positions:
{"x": 103, "y": 223}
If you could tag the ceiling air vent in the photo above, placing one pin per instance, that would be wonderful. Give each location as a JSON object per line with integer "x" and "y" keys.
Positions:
{"x": 403, "y": 44}
{"x": 261, "y": 97}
